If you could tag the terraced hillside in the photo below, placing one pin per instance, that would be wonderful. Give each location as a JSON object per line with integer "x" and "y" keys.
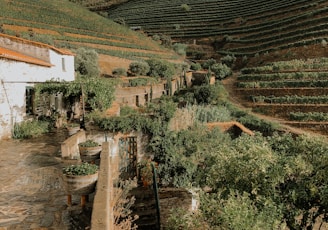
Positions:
{"x": 66, "y": 24}
{"x": 243, "y": 28}
{"x": 294, "y": 91}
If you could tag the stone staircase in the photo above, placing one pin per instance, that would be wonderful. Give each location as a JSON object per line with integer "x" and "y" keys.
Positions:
{"x": 145, "y": 207}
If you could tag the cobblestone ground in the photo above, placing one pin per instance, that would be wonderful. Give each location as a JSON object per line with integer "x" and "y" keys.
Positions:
{"x": 32, "y": 195}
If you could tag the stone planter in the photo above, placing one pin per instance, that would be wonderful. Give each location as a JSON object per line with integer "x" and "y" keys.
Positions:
{"x": 90, "y": 154}
{"x": 80, "y": 184}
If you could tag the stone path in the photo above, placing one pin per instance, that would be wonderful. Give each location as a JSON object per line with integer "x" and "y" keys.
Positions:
{"x": 32, "y": 195}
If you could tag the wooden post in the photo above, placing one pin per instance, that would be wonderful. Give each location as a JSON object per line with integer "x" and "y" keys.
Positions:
{"x": 69, "y": 200}
{"x": 83, "y": 201}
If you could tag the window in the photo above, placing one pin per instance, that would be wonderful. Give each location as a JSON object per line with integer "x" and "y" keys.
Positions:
{"x": 63, "y": 64}
{"x": 29, "y": 95}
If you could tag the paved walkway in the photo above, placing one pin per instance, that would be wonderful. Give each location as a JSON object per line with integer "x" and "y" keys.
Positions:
{"x": 32, "y": 195}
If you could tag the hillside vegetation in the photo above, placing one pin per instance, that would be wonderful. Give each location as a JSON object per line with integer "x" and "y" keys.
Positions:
{"x": 279, "y": 46}
{"x": 66, "y": 24}
{"x": 242, "y": 28}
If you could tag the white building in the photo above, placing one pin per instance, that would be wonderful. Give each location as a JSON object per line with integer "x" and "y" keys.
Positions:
{"x": 23, "y": 64}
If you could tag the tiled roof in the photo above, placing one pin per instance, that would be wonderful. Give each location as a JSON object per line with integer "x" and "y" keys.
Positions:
{"x": 13, "y": 55}
{"x": 38, "y": 44}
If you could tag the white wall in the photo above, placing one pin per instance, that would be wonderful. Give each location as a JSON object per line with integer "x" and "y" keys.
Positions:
{"x": 14, "y": 71}
{"x": 12, "y": 106}
{"x": 15, "y": 76}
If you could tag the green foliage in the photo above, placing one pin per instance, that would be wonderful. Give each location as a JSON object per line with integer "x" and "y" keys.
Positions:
{"x": 166, "y": 40}
{"x": 127, "y": 110}
{"x": 206, "y": 114}
{"x": 181, "y": 219}
{"x": 228, "y": 60}
{"x": 185, "y": 7}
{"x": 210, "y": 94}
{"x": 86, "y": 62}
{"x": 195, "y": 66}
{"x": 220, "y": 70}
{"x": 30, "y": 129}
{"x": 80, "y": 170}
{"x": 98, "y": 92}
{"x": 119, "y": 72}
{"x": 160, "y": 68}
{"x": 89, "y": 143}
{"x": 180, "y": 48}
{"x": 141, "y": 81}
{"x": 311, "y": 116}
{"x": 208, "y": 63}
{"x": 139, "y": 68}
{"x": 241, "y": 212}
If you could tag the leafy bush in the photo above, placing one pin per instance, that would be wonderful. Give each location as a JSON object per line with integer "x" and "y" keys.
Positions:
{"x": 139, "y": 68}
{"x": 138, "y": 82}
{"x": 212, "y": 114}
{"x": 119, "y": 72}
{"x": 160, "y": 68}
{"x": 185, "y": 7}
{"x": 180, "y": 48}
{"x": 80, "y": 170}
{"x": 221, "y": 71}
{"x": 30, "y": 129}
{"x": 86, "y": 62}
{"x": 228, "y": 60}
{"x": 195, "y": 66}
{"x": 210, "y": 94}
{"x": 208, "y": 63}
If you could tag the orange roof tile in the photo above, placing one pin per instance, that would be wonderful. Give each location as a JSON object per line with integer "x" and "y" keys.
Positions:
{"x": 39, "y": 44}
{"x": 227, "y": 125}
{"x": 13, "y": 55}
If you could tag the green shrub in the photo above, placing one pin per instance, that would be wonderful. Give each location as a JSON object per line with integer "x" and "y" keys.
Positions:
{"x": 119, "y": 72}
{"x": 228, "y": 60}
{"x": 138, "y": 82}
{"x": 139, "y": 68}
{"x": 208, "y": 63}
{"x": 166, "y": 40}
{"x": 127, "y": 110}
{"x": 180, "y": 48}
{"x": 185, "y": 7}
{"x": 212, "y": 114}
{"x": 86, "y": 62}
{"x": 210, "y": 94}
{"x": 30, "y": 129}
{"x": 221, "y": 71}
{"x": 195, "y": 66}
{"x": 160, "y": 68}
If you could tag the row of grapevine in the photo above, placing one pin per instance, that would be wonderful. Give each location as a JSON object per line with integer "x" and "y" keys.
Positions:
{"x": 295, "y": 90}
{"x": 74, "y": 24}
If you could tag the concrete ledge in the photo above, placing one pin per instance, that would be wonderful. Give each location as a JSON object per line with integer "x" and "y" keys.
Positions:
{"x": 101, "y": 218}
{"x": 70, "y": 148}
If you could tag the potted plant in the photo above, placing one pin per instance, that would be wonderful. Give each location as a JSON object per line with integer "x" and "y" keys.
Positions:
{"x": 89, "y": 150}
{"x": 80, "y": 179}
{"x": 72, "y": 128}
{"x": 146, "y": 172}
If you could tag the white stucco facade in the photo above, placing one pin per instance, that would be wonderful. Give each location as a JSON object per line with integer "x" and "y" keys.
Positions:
{"x": 17, "y": 75}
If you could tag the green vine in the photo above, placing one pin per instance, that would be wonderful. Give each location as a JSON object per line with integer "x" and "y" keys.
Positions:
{"x": 97, "y": 92}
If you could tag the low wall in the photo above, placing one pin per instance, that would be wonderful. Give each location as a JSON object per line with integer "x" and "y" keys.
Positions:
{"x": 70, "y": 148}
{"x": 101, "y": 218}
